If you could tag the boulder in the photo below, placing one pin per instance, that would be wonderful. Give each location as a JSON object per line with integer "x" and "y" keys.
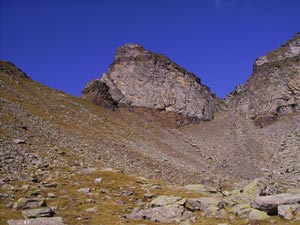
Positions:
{"x": 215, "y": 212}
{"x": 195, "y": 204}
{"x": 38, "y": 221}
{"x": 242, "y": 210}
{"x": 289, "y": 212}
{"x": 29, "y": 203}
{"x": 246, "y": 194}
{"x": 270, "y": 203}
{"x": 40, "y": 212}
{"x": 84, "y": 190}
{"x": 164, "y": 200}
{"x": 257, "y": 215}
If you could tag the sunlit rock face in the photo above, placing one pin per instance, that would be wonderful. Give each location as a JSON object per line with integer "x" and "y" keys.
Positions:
{"x": 141, "y": 78}
{"x": 273, "y": 89}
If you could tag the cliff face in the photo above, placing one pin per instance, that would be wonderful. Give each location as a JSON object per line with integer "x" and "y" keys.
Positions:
{"x": 273, "y": 89}
{"x": 140, "y": 78}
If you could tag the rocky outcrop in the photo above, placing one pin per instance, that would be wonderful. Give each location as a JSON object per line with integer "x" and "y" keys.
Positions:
{"x": 98, "y": 92}
{"x": 273, "y": 90}
{"x": 11, "y": 70}
{"x": 140, "y": 78}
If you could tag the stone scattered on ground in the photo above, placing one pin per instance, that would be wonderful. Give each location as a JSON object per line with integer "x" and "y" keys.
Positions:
{"x": 39, "y": 212}
{"x": 92, "y": 210}
{"x": 167, "y": 200}
{"x": 84, "y": 190}
{"x": 98, "y": 180}
{"x": 19, "y": 141}
{"x": 38, "y": 221}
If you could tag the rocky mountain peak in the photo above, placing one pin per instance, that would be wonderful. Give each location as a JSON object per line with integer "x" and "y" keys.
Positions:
{"x": 273, "y": 88}
{"x": 141, "y": 78}
{"x": 288, "y": 50}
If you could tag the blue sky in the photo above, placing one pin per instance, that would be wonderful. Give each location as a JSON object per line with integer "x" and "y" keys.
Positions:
{"x": 66, "y": 43}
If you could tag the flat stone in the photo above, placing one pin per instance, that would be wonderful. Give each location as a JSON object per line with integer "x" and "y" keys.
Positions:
{"x": 40, "y": 212}
{"x": 167, "y": 200}
{"x": 38, "y": 221}
{"x": 270, "y": 203}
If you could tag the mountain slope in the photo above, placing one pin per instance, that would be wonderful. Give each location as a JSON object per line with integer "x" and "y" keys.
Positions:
{"x": 48, "y": 136}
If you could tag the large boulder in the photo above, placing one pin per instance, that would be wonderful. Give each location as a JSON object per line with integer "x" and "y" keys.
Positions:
{"x": 40, "y": 212}
{"x": 195, "y": 204}
{"x": 270, "y": 203}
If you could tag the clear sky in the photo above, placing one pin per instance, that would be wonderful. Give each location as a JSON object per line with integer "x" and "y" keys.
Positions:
{"x": 66, "y": 43}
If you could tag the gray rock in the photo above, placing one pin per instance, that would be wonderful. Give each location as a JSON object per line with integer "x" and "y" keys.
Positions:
{"x": 19, "y": 141}
{"x": 84, "y": 190}
{"x": 164, "y": 200}
{"x": 215, "y": 212}
{"x": 164, "y": 214}
{"x": 4, "y": 196}
{"x": 247, "y": 193}
{"x": 202, "y": 203}
{"x": 258, "y": 215}
{"x": 289, "y": 212}
{"x": 142, "y": 78}
{"x": 242, "y": 210}
{"x": 38, "y": 221}
{"x": 40, "y": 212}
{"x": 29, "y": 203}
{"x": 92, "y": 210}
{"x": 51, "y": 195}
{"x": 98, "y": 180}
{"x": 270, "y": 203}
